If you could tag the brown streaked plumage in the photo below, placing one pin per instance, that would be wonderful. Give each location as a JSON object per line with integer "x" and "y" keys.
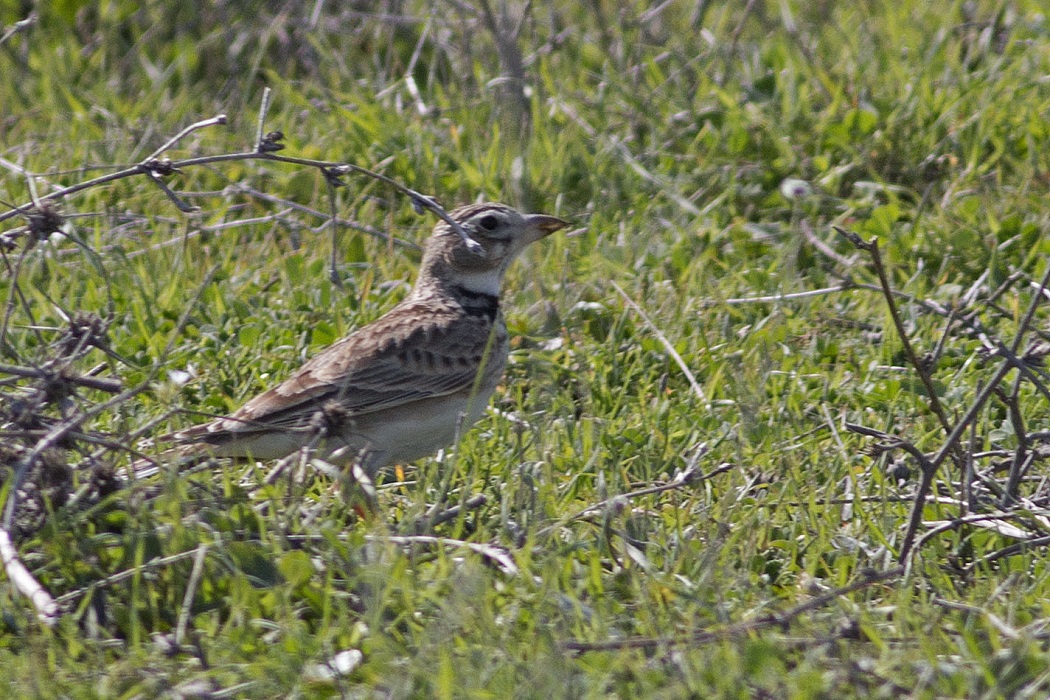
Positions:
{"x": 399, "y": 388}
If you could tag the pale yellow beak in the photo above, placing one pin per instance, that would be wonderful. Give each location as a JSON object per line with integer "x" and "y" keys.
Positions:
{"x": 545, "y": 224}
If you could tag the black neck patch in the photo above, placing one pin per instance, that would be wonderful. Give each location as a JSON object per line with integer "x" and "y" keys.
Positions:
{"x": 478, "y": 303}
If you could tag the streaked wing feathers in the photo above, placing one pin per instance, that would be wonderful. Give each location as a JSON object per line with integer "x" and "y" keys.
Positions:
{"x": 416, "y": 351}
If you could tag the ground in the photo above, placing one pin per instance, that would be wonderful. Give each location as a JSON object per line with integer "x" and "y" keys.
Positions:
{"x": 775, "y": 419}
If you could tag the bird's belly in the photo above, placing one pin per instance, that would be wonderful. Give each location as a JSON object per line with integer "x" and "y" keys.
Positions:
{"x": 261, "y": 445}
{"x": 405, "y": 434}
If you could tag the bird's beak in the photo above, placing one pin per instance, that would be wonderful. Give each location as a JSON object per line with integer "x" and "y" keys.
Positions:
{"x": 546, "y": 225}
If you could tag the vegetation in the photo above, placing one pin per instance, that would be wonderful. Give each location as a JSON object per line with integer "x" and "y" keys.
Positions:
{"x": 715, "y": 468}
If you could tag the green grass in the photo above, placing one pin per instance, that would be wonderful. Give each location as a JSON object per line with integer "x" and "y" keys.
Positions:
{"x": 666, "y": 137}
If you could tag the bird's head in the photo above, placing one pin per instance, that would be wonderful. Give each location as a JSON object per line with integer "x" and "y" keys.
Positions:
{"x": 501, "y": 231}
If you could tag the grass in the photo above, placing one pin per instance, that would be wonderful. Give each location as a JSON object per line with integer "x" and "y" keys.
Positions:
{"x": 670, "y": 136}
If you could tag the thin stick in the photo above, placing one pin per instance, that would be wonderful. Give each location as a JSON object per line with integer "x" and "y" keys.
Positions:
{"x": 495, "y": 553}
{"x": 276, "y": 217}
{"x": 1022, "y": 458}
{"x": 264, "y": 107}
{"x": 781, "y": 297}
{"x": 19, "y": 26}
{"x": 15, "y": 294}
{"x": 967, "y": 503}
{"x": 930, "y": 470}
{"x": 24, "y": 583}
{"x": 690, "y": 475}
{"x": 872, "y": 248}
{"x": 333, "y": 203}
{"x": 697, "y": 389}
{"x": 419, "y": 200}
{"x": 473, "y": 503}
{"x": 347, "y": 223}
{"x": 410, "y": 81}
{"x": 204, "y": 123}
{"x": 191, "y": 592}
{"x": 155, "y": 177}
{"x": 828, "y": 251}
{"x": 706, "y": 636}
{"x": 122, "y": 576}
{"x": 940, "y": 527}
{"x": 1003, "y": 628}
{"x": 1009, "y": 551}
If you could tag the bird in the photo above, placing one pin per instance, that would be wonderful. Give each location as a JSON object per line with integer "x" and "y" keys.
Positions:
{"x": 404, "y": 386}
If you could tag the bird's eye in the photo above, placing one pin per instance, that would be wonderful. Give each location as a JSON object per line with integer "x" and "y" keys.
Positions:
{"x": 488, "y": 222}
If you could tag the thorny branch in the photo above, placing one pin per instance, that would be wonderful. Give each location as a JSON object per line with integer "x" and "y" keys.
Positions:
{"x": 867, "y": 579}
{"x": 929, "y": 466}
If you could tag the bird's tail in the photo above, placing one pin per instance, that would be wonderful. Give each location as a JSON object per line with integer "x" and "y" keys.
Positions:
{"x": 178, "y": 459}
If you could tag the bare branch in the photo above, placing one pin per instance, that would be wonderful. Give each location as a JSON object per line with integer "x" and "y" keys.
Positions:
{"x": 111, "y": 386}
{"x": 706, "y": 636}
{"x": 872, "y": 248}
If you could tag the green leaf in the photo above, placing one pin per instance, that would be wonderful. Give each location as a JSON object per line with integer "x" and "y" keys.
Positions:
{"x": 296, "y": 568}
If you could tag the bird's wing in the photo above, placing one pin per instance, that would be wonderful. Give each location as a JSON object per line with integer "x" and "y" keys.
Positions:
{"x": 411, "y": 353}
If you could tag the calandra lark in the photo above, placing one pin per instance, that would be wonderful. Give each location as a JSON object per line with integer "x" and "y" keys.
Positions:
{"x": 401, "y": 387}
